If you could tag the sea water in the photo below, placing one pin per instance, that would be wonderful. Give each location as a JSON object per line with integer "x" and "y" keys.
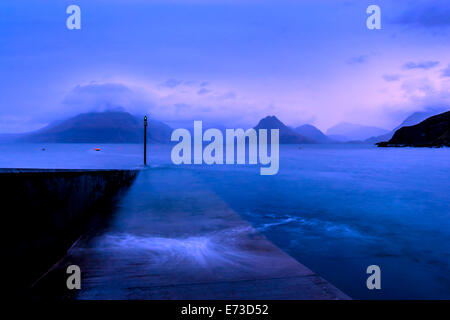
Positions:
{"x": 335, "y": 208}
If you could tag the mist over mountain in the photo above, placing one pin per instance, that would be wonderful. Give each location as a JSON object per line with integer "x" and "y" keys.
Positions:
{"x": 311, "y": 132}
{"x": 287, "y": 135}
{"x": 353, "y": 132}
{"x": 100, "y": 127}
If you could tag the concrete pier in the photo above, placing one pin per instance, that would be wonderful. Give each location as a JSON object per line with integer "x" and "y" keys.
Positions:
{"x": 45, "y": 211}
{"x": 174, "y": 238}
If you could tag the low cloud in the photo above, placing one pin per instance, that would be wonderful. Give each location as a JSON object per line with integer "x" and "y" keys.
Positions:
{"x": 225, "y": 106}
{"x": 97, "y": 97}
{"x": 357, "y": 60}
{"x": 100, "y": 97}
{"x": 426, "y": 93}
{"x": 171, "y": 83}
{"x": 391, "y": 77}
{"x": 203, "y": 91}
{"x": 426, "y": 65}
{"x": 446, "y": 72}
{"x": 181, "y": 103}
{"x": 426, "y": 15}
{"x": 228, "y": 95}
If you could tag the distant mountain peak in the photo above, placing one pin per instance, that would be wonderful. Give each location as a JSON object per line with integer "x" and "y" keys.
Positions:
{"x": 352, "y": 131}
{"x": 271, "y": 122}
{"x": 112, "y": 126}
{"x": 311, "y": 132}
{"x": 287, "y": 135}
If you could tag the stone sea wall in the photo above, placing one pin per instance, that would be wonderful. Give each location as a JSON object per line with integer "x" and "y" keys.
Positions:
{"x": 45, "y": 211}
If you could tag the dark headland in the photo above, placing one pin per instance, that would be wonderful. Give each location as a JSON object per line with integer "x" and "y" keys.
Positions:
{"x": 432, "y": 132}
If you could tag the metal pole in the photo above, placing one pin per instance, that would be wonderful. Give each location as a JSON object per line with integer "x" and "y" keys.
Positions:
{"x": 145, "y": 140}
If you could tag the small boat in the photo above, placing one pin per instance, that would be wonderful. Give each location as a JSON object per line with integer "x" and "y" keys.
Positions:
{"x": 97, "y": 149}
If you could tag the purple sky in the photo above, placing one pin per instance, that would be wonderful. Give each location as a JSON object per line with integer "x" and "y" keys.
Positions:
{"x": 228, "y": 63}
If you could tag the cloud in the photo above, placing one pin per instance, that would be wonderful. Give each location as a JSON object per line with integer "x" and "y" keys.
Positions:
{"x": 228, "y": 95}
{"x": 418, "y": 95}
{"x": 98, "y": 97}
{"x": 426, "y": 65}
{"x": 391, "y": 77}
{"x": 171, "y": 83}
{"x": 446, "y": 72}
{"x": 181, "y": 106}
{"x": 203, "y": 91}
{"x": 426, "y": 16}
{"x": 426, "y": 92}
{"x": 106, "y": 96}
{"x": 437, "y": 100}
{"x": 357, "y": 60}
{"x": 177, "y": 105}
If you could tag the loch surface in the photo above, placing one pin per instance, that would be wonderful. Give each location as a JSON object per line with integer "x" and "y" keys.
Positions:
{"x": 335, "y": 208}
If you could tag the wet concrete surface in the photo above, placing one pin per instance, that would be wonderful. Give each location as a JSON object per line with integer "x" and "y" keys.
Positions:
{"x": 172, "y": 237}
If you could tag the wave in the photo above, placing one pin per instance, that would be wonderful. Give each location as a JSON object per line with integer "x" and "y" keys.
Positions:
{"x": 206, "y": 251}
{"x": 311, "y": 224}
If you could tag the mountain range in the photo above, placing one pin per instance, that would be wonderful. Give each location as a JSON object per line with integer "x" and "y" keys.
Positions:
{"x": 122, "y": 127}
{"x": 353, "y": 132}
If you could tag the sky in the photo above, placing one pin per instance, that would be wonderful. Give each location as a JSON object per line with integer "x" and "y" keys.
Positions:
{"x": 226, "y": 62}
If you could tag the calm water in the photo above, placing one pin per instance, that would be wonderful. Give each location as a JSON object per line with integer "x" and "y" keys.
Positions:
{"x": 336, "y": 209}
